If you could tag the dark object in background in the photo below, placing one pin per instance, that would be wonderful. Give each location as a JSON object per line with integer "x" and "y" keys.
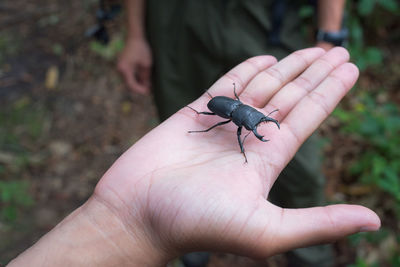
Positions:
{"x": 278, "y": 12}
{"x": 196, "y": 259}
{"x": 239, "y": 113}
{"x": 107, "y": 11}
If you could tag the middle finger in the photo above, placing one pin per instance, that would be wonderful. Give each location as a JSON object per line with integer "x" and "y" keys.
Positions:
{"x": 286, "y": 98}
{"x": 267, "y": 82}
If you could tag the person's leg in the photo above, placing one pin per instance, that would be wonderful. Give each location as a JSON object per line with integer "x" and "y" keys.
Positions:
{"x": 186, "y": 48}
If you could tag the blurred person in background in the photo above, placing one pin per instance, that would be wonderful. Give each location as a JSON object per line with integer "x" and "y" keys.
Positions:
{"x": 178, "y": 48}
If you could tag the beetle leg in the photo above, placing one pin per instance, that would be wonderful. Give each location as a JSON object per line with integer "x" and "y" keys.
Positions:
{"x": 201, "y": 112}
{"x": 239, "y": 133}
{"x": 212, "y": 127}
{"x": 245, "y": 137}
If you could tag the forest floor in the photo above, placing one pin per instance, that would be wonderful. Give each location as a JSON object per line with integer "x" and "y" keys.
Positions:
{"x": 66, "y": 116}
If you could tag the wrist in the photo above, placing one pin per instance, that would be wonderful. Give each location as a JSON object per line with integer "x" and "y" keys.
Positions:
{"x": 132, "y": 40}
{"x": 336, "y": 38}
{"x": 135, "y": 33}
{"x": 92, "y": 233}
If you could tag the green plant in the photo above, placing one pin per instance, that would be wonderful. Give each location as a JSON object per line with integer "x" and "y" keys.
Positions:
{"x": 366, "y": 7}
{"x": 364, "y": 19}
{"x": 9, "y": 46}
{"x": 13, "y": 196}
{"x": 385, "y": 244}
{"x": 109, "y": 51}
{"x": 22, "y": 123}
{"x": 371, "y": 237}
{"x": 360, "y": 262}
{"x": 378, "y": 128}
{"x": 368, "y": 15}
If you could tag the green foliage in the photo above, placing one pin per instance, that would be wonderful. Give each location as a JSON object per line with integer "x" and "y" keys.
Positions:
{"x": 366, "y": 15}
{"x": 364, "y": 19}
{"x": 13, "y": 196}
{"x": 374, "y": 126}
{"x": 383, "y": 241}
{"x": 50, "y": 20}
{"x": 366, "y": 7}
{"x": 9, "y": 46}
{"x": 371, "y": 237}
{"x": 396, "y": 260}
{"x": 109, "y": 51}
{"x": 22, "y": 124}
{"x": 359, "y": 263}
{"x": 58, "y": 49}
{"x": 306, "y": 11}
{"x": 378, "y": 127}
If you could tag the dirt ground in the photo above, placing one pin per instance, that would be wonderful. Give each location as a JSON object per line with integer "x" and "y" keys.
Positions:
{"x": 87, "y": 118}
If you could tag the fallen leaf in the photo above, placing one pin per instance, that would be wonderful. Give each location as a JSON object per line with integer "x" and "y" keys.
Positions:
{"x": 126, "y": 107}
{"x": 52, "y": 75}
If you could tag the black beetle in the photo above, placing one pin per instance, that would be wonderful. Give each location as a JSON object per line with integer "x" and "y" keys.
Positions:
{"x": 239, "y": 113}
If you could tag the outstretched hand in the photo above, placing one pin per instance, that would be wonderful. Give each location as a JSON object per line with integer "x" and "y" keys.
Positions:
{"x": 174, "y": 192}
{"x": 194, "y": 192}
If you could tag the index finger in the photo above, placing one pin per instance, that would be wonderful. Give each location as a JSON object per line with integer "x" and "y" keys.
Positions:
{"x": 241, "y": 75}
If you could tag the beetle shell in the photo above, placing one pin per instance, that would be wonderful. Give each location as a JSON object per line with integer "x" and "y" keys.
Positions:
{"x": 247, "y": 116}
{"x": 223, "y": 106}
{"x": 237, "y": 112}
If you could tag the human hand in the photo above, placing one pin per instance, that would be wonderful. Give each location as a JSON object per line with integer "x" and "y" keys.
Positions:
{"x": 173, "y": 192}
{"x": 194, "y": 192}
{"x": 134, "y": 64}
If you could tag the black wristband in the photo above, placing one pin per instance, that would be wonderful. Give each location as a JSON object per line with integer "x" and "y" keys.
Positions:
{"x": 336, "y": 38}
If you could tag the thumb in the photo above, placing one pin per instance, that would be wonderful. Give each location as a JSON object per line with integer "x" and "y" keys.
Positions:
{"x": 295, "y": 228}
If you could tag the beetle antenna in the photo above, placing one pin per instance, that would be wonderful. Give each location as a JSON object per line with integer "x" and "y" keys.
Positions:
{"x": 234, "y": 91}
{"x": 275, "y": 110}
{"x": 209, "y": 94}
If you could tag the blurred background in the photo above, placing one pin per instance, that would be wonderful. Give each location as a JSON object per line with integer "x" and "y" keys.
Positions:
{"x": 66, "y": 116}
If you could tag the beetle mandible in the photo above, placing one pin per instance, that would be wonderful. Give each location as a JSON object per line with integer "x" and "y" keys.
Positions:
{"x": 242, "y": 115}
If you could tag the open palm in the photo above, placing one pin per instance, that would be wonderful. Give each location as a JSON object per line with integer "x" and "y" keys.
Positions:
{"x": 195, "y": 191}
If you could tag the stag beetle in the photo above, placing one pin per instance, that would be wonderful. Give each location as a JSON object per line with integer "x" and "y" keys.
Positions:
{"x": 241, "y": 114}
